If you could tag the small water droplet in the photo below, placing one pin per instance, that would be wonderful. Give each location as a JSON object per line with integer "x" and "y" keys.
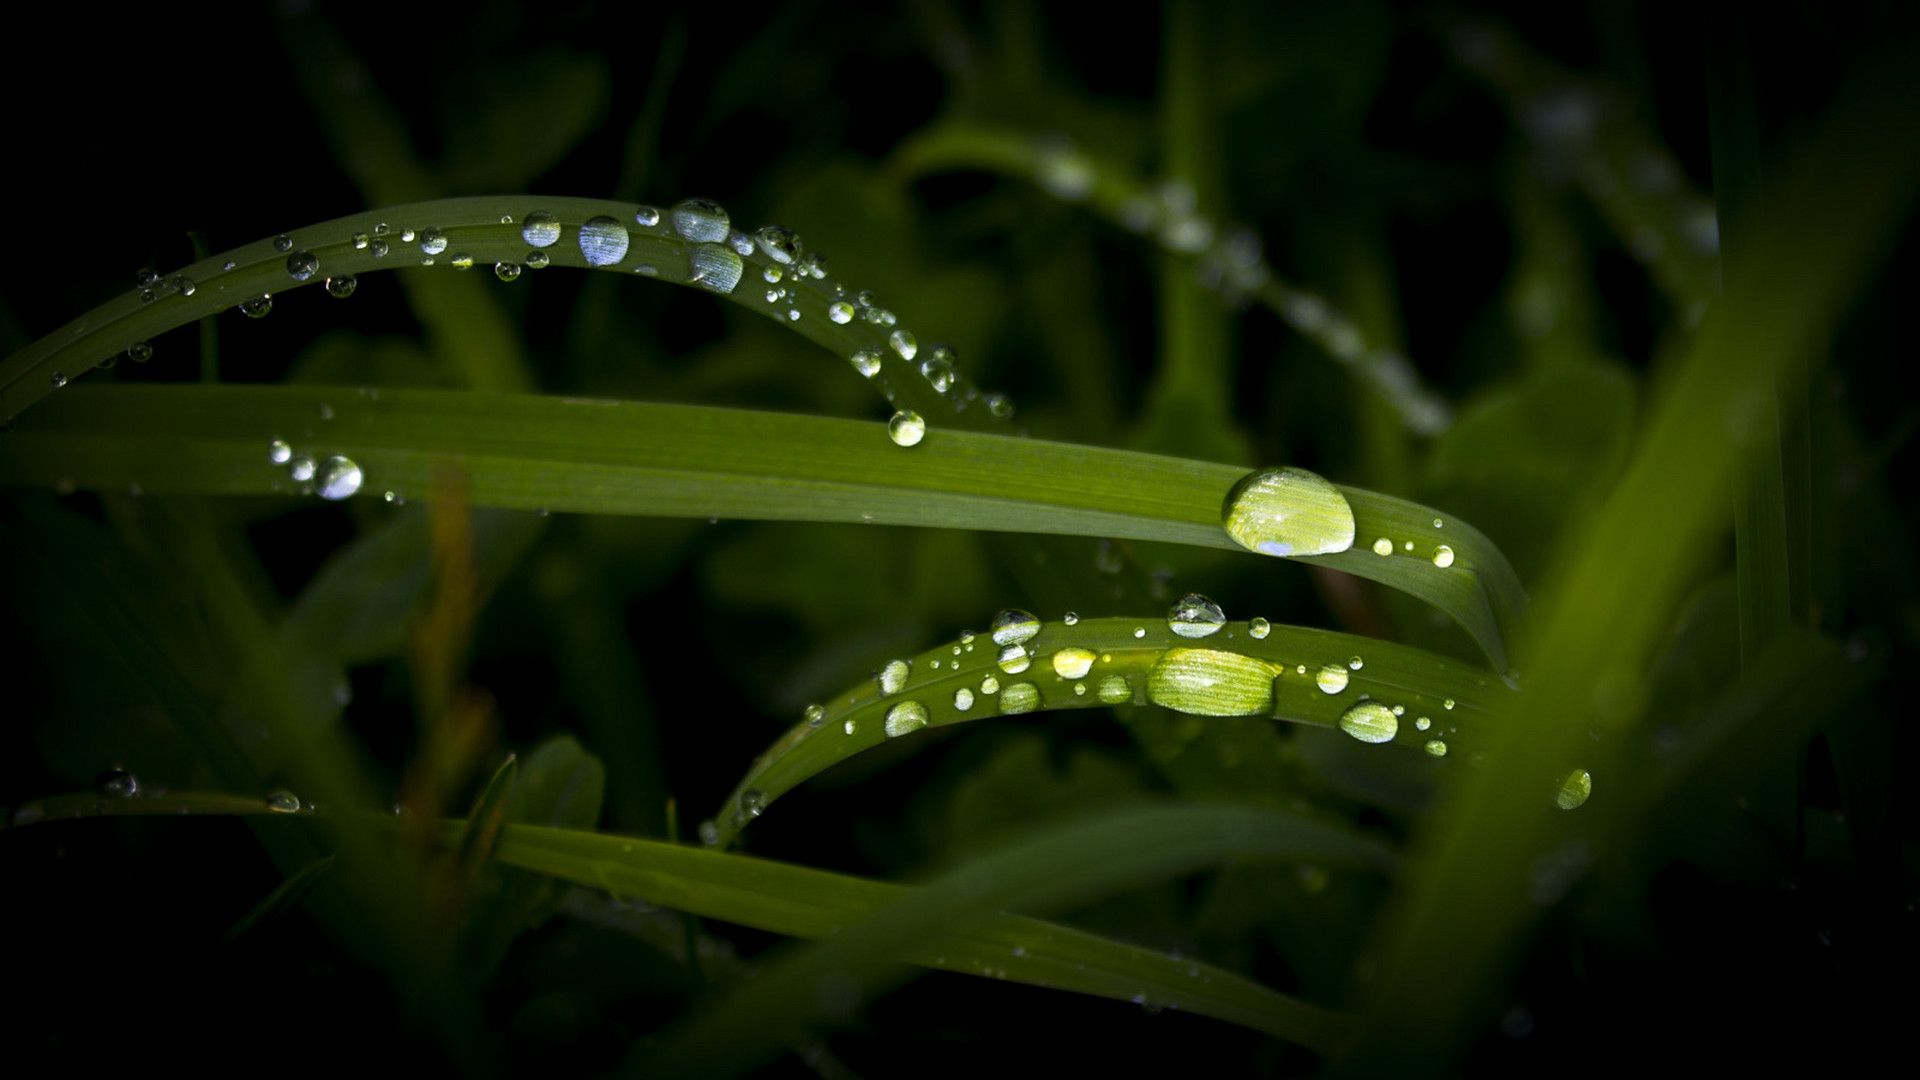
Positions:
{"x": 337, "y": 478}
{"x": 300, "y": 469}
{"x": 990, "y": 685}
{"x": 1073, "y": 663}
{"x": 1331, "y": 679}
{"x": 1195, "y": 616}
{"x": 603, "y": 241}
{"x": 1020, "y": 697}
{"x": 1063, "y": 172}
{"x": 342, "y": 286}
{"x": 1422, "y": 724}
{"x": 506, "y": 271}
{"x": 780, "y": 243}
{"x": 1370, "y": 722}
{"x": 406, "y": 236}
{"x": 905, "y": 717}
{"x": 302, "y": 265}
{"x": 1443, "y": 556}
{"x": 753, "y": 801}
{"x": 1436, "y": 748}
{"x": 1114, "y": 690}
{"x": 714, "y": 268}
{"x": 378, "y": 249}
{"x": 540, "y": 229}
{"x": 1258, "y": 628}
{"x": 646, "y": 215}
{"x": 432, "y": 240}
{"x": 903, "y": 343}
{"x": 866, "y": 362}
{"x": 283, "y": 243}
{"x": 850, "y": 726}
{"x": 145, "y": 277}
{"x": 258, "y": 307}
{"x": 1070, "y": 619}
{"x": 1383, "y": 546}
{"x": 1287, "y": 511}
{"x": 1000, "y": 405}
{"x": 700, "y": 220}
{"x": 1574, "y": 790}
{"x": 709, "y": 832}
{"x": 1356, "y": 663}
{"x": 815, "y": 715}
{"x": 1014, "y": 659}
{"x": 282, "y": 801}
{"x": 1211, "y": 682}
{"x": 360, "y": 241}
{"x": 278, "y": 452}
{"x": 181, "y": 284}
{"x": 1447, "y": 704}
{"x": 892, "y": 677}
{"x": 1013, "y": 627}
{"x": 906, "y": 428}
{"x": 963, "y": 699}
{"x": 58, "y": 379}
{"x": 537, "y": 260}
{"x": 117, "y": 784}
{"x": 840, "y": 311}
{"x": 938, "y": 372}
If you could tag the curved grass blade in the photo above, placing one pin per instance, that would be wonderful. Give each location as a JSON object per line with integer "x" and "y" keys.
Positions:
{"x": 289, "y": 895}
{"x": 769, "y": 274}
{"x": 686, "y": 461}
{"x": 1294, "y": 673}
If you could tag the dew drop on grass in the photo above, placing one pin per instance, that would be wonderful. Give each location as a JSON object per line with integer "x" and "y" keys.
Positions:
{"x": 1258, "y": 628}
{"x": 753, "y": 801}
{"x": 537, "y": 260}
{"x": 1014, "y": 659}
{"x": 700, "y": 220}
{"x": 603, "y": 241}
{"x": 257, "y": 308}
{"x": 360, "y": 241}
{"x": 278, "y": 452}
{"x": 646, "y": 215}
{"x": 1370, "y": 722}
{"x": 302, "y": 265}
{"x": 1195, "y": 616}
{"x": 814, "y": 715}
{"x": 378, "y": 249}
{"x": 300, "y": 469}
{"x": 1447, "y": 704}
{"x": 461, "y": 261}
{"x": 540, "y": 229}
{"x": 990, "y": 685}
{"x": 1070, "y": 619}
{"x": 714, "y": 267}
{"x": 906, "y": 428}
{"x": 1013, "y": 627}
{"x": 866, "y": 362}
{"x": 1383, "y": 546}
{"x": 1073, "y": 663}
{"x": 1443, "y": 556}
{"x": 840, "y": 311}
{"x": 343, "y": 286}
{"x": 1422, "y": 724}
{"x": 432, "y": 240}
{"x": 1114, "y": 690}
{"x": 963, "y": 699}
{"x": 892, "y": 678}
{"x": 1331, "y": 679}
{"x": 117, "y": 784}
{"x": 283, "y": 243}
{"x": 506, "y": 271}
{"x": 938, "y": 372}
{"x": 181, "y": 284}
{"x": 1356, "y": 663}
{"x": 905, "y": 717}
{"x": 1209, "y": 682}
{"x": 282, "y": 801}
{"x": 1000, "y": 405}
{"x": 1436, "y": 748}
{"x": 337, "y": 478}
{"x": 1287, "y": 511}
{"x": 1020, "y": 697}
{"x": 1574, "y": 790}
{"x": 709, "y": 833}
{"x": 779, "y": 242}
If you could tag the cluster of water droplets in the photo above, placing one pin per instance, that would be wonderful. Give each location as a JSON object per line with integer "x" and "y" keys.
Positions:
{"x": 333, "y": 477}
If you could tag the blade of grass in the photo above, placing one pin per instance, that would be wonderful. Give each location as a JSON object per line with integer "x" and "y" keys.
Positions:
{"x": 622, "y": 457}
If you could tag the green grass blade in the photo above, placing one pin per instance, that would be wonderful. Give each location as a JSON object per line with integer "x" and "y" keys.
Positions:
{"x": 670, "y": 460}
{"x": 1281, "y": 676}
{"x": 289, "y": 895}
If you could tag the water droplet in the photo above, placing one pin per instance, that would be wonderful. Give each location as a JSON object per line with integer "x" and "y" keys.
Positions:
{"x": 1443, "y": 556}
{"x": 1575, "y": 790}
{"x": 904, "y": 717}
{"x": 283, "y": 243}
{"x": 892, "y": 677}
{"x": 145, "y": 276}
{"x": 181, "y": 284}
{"x": 906, "y": 428}
{"x": 1436, "y": 748}
{"x": 937, "y": 372}
{"x": 1356, "y": 663}
{"x": 302, "y": 265}
{"x": 1019, "y": 697}
{"x": 603, "y": 242}
{"x": 815, "y": 715}
{"x": 257, "y": 308}
{"x": 840, "y": 311}
{"x": 117, "y": 784}
{"x": 1073, "y": 663}
{"x": 753, "y": 801}
{"x": 1195, "y": 616}
{"x": 1258, "y": 628}
{"x": 904, "y": 344}
{"x": 406, "y": 236}
{"x": 342, "y": 286}
{"x": 963, "y": 699}
{"x": 1114, "y": 690}
{"x": 701, "y": 220}
{"x": 300, "y": 469}
{"x": 1383, "y": 546}
{"x": 1000, "y": 405}
{"x": 58, "y": 379}
{"x": 378, "y": 249}
{"x": 337, "y": 478}
{"x": 1288, "y": 511}
{"x": 1014, "y": 659}
{"x": 282, "y": 801}
{"x": 360, "y": 241}
{"x": 432, "y": 240}
{"x": 1013, "y": 626}
{"x": 278, "y": 452}
{"x": 1447, "y": 704}
{"x": 779, "y": 242}
{"x": 709, "y": 833}
{"x": 714, "y": 268}
{"x": 540, "y": 229}
{"x": 1209, "y": 682}
{"x": 1370, "y": 722}
{"x": 866, "y": 362}
{"x": 1063, "y": 172}
{"x": 537, "y": 260}
{"x": 1331, "y": 679}
{"x": 990, "y": 685}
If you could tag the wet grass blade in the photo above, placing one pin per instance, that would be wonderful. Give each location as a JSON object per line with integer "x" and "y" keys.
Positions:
{"x": 290, "y": 894}
{"x": 687, "y": 461}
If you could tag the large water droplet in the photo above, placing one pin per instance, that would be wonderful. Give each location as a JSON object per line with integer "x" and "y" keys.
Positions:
{"x": 1574, "y": 790}
{"x": 337, "y": 478}
{"x": 1013, "y": 626}
{"x": 906, "y": 428}
{"x": 840, "y": 311}
{"x": 540, "y": 229}
{"x": 278, "y": 452}
{"x": 892, "y": 678}
{"x": 301, "y": 469}
{"x": 603, "y": 241}
{"x": 866, "y": 362}
{"x": 1258, "y": 628}
{"x": 1195, "y": 616}
{"x": 302, "y": 265}
{"x": 1370, "y": 722}
{"x": 343, "y": 286}
{"x": 714, "y": 267}
{"x": 1115, "y": 691}
{"x": 815, "y": 715}
{"x": 1443, "y": 556}
{"x": 1436, "y": 748}
{"x": 904, "y": 344}
{"x": 1014, "y": 659}
{"x": 432, "y": 240}
{"x": 904, "y": 717}
{"x": 1209, "y": 682}
{"x": 1073, "y": 663}
{"x": 963, "y": 699}
{"x": 1288, "y": 511}
{"x": 506, "y": 271}
{"x": 256, "y": 308}
{"x": 779, "y": 242}
{"x": 1331, "y": 679}
{"x": 282, "y": 801}
{"x": 140, "y": 352}
{"x": 700, "y": 220}
{"x": 1019, "y": 697}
